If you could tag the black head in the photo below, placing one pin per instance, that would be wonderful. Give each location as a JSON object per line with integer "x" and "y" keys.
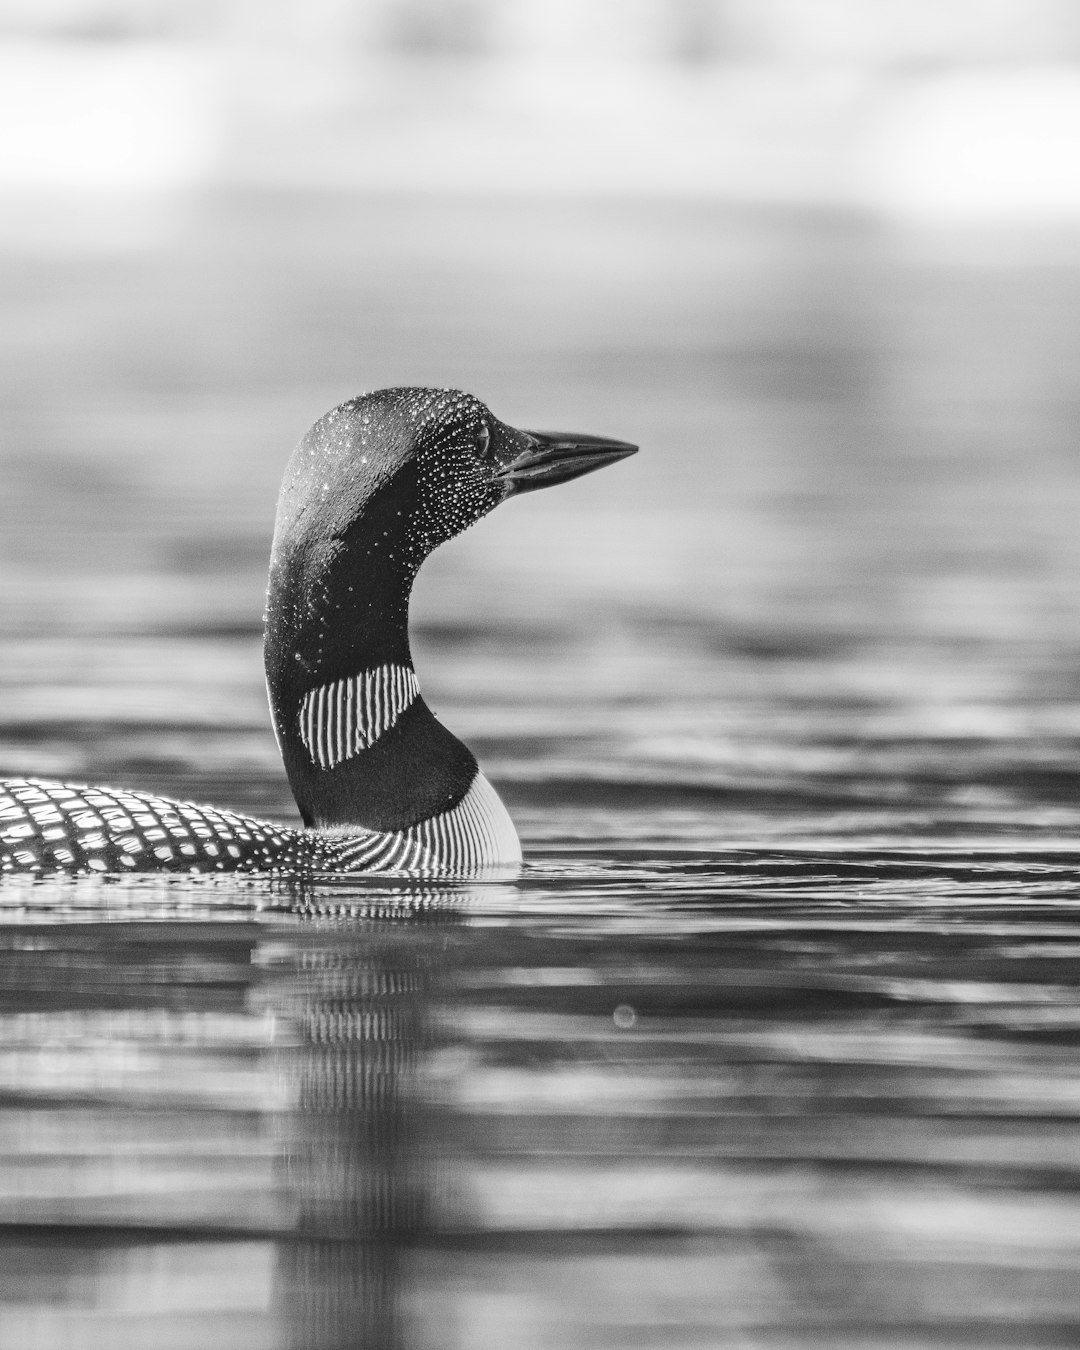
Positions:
{"x": 437, "y": 457}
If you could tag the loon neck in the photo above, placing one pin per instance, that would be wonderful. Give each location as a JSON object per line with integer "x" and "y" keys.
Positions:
{"x": 360, "y": 746}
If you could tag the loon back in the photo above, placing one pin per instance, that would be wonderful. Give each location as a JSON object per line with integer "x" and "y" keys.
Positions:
{"x": 381, "y": 785}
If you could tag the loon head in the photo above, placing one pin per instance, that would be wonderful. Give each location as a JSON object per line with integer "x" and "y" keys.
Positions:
{"x": 371, "y": 490}
{"x": 437, "y": 458}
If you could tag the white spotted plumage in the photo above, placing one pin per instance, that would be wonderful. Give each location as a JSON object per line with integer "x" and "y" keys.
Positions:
{"x": 340, "y": 719}
{"x": 47, "y": 828}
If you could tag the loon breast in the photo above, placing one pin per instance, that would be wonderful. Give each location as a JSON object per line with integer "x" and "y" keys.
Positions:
{"x": 381, "y": 785}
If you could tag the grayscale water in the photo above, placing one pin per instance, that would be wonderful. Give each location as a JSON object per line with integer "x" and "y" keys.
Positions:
{"x": 774, "y": 1041}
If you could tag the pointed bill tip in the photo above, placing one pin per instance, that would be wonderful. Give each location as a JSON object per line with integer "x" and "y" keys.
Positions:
{"x": 558, "y": 456}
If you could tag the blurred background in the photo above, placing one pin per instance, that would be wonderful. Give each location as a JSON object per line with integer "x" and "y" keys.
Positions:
{"x": 819, "y": 257}
{"x": 778, "y": 1030}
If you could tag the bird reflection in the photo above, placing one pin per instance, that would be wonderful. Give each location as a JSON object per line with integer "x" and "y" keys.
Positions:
{"x": 357, "y": 1156}
{"x": 248, "y": 1071}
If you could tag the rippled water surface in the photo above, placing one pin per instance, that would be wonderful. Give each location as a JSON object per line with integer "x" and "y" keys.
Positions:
{"x": 773, "y": 1043}
{"x": 675, "y": 1097}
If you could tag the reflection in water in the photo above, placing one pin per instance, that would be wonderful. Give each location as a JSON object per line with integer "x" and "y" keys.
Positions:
{"x": 357, "y": 1165}
{"x": 803, "y": 1099}
{"x": 213, "y": 1112}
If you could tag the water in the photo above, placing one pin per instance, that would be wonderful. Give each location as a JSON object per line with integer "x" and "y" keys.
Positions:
{"x": 677, "y": 1098}
{"x": 773, "y": 1042}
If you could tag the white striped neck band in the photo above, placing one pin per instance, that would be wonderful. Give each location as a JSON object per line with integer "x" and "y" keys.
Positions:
{"x": 341, "y": 719}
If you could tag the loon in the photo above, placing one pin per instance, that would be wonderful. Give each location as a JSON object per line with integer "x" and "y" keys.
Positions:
{"x": 381, "y": 785}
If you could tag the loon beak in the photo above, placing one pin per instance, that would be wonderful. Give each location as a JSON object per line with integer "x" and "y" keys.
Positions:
{"x": 552, "y": 457}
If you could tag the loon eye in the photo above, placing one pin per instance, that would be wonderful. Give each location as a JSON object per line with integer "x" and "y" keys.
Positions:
{"x": 483, "y": 440}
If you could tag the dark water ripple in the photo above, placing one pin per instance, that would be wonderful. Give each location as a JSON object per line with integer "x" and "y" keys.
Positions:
{"x": 772, "y": 1042}
{"x": 821, "y": 1096}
